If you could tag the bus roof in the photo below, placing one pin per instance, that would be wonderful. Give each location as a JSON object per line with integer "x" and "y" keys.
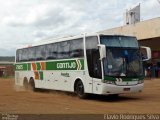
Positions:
{"x": 67, "y": 38}
{"x": 54, "y": 40}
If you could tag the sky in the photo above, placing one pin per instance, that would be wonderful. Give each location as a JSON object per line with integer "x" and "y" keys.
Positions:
{"x": 23, "y": 22}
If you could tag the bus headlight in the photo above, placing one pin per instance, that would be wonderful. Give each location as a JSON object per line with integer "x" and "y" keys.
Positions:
{"x": 140, "y": 81}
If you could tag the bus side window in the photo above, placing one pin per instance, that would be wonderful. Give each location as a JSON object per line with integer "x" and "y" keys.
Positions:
{"x": 76, "y": 48}
{"x": 24, "y": 55}
{"x": 18, "y": 55}
{"x": 31, "y": 54}
{"x": 63, "y": 50}
{"x": 40, "y": 52}
{"x": 92, "y": 52}
{"x": 51, "y": 51}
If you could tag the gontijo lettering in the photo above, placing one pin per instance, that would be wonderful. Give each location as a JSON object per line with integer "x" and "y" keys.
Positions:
{"x": 66, "y": 65}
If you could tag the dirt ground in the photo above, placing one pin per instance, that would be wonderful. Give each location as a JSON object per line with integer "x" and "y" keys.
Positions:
{"x": 15, "y": 100}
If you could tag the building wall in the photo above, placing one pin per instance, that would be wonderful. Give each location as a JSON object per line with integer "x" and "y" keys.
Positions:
{"x": 142, "y": 30}
{"x": 8, "y": 71}
{"x": 148, "y": 34}
{"x": 153, "y": 43}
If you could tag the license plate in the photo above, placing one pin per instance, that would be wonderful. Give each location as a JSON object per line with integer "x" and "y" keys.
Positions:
{"x": 126, "y": 89}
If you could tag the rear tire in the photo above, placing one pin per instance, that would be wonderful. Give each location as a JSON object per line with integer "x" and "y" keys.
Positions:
{"x": 31, "y": 86}
{"x": 25, "y": 84}
{"x": 79, "y": 90}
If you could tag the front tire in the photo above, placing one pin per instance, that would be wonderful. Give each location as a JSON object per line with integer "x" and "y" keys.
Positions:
{"x": 80, "y": 90}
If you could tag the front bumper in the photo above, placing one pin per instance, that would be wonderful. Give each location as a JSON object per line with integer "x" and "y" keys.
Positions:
{"x": 114, "y": 89}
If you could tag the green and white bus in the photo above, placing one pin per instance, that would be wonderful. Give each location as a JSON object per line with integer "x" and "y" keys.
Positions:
{"x": 95, "y": 64}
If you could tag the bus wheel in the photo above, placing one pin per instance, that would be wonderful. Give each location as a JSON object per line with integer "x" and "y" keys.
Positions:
{"x": 31, "y": 85}
{"x": 80, "y": 90}
{"x": 25, "y": 84}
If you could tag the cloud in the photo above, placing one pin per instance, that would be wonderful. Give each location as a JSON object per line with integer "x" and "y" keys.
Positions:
{"x": 150, "y": 9}
{"x": 29, "y": 21}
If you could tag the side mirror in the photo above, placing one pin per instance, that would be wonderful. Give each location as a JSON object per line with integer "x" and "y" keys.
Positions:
{"x": 147, "y": 51}
{"x": 102, "y": 50}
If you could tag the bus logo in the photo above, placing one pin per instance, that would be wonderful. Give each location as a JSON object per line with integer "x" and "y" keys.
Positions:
{"x": 67, "y": 65}
{"x": 70, "y": 65}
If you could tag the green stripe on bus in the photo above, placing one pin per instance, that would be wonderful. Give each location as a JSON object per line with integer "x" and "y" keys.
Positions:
{"x": 21, "y": 67}
{"x": 29, "y": 66}
{"x": 38, "y": 66}
{"x": 65, "y": 65}
{"x": 54, "y": 65}
{"x": 82, "y": 63}
{"x": 41, "y": 75}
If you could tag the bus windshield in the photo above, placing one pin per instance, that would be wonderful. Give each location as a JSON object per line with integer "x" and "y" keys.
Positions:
{"x": 119, "y": 41}
{"x": 123, "y": 56}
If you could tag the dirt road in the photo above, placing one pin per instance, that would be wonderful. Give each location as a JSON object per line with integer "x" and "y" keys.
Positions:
{"x": 13, "y": 100}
